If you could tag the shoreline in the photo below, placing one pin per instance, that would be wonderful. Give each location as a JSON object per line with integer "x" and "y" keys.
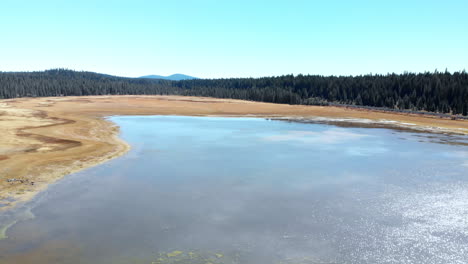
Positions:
{"x": 382, "y": 123}
{"x": 51, "y": 137}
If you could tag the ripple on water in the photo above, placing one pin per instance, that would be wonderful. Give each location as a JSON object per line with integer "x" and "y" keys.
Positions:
{"x": 432, "y": 226}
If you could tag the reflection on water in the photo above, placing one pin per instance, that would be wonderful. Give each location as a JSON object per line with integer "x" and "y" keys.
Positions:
{"x": 238, "y": 190}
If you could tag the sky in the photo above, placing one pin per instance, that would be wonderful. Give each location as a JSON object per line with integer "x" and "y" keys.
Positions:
{"x": 242, "y": 38}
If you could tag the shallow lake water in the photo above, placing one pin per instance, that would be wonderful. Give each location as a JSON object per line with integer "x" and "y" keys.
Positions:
{"x": 200, "y": 190}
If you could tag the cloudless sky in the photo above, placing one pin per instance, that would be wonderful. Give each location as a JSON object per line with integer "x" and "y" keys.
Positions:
{"x": 242, "y": 38}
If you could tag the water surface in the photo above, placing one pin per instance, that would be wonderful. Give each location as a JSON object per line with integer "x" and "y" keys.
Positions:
{"x": 245, "y": 190}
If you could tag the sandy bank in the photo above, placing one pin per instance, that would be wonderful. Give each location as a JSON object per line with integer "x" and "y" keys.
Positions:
{"x": 43, "y": 139}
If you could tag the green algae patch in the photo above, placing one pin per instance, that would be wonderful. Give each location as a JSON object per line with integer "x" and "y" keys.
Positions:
{"x": 17, "y": 217}
{"x": 191, "y": 257}
{"x": 4, "y": 228}
{"x": 174, "y": 253}
{"x": 210, "y": 257}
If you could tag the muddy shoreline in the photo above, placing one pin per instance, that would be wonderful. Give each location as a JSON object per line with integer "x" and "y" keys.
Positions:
{"x": 48, "y": 138}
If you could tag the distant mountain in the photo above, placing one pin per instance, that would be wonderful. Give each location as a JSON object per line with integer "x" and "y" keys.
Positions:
{"x": 173, "y": 77}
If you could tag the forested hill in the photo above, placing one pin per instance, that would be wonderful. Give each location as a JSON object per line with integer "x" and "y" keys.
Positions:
{"x": 433, "y": 92}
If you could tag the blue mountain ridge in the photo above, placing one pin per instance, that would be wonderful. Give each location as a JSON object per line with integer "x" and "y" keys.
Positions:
{"x": 173, "y": 77}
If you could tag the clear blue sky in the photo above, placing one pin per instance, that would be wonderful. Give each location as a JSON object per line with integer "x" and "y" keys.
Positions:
{"x": 214, "y": 38}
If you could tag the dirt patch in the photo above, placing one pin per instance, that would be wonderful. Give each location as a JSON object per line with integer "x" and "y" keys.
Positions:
{"x": 198, "y": 101}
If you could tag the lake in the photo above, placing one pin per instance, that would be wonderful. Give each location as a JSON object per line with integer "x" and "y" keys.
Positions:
{"x": 202, "y": 190}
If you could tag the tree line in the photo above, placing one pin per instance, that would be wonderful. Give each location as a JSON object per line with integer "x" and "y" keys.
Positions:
{"x": 439, "y": 92}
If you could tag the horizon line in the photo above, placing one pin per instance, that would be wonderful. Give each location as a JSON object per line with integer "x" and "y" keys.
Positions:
{"x": 249, "y": 77}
